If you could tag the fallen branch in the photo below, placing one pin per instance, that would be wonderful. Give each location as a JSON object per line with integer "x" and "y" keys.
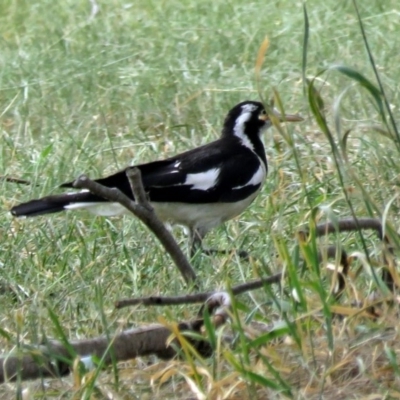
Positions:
{"x": 55, "y": 359}
{"x": 143, "y": 210}
{"x": 346, "y": 225}
{"x": 197, "y": 297}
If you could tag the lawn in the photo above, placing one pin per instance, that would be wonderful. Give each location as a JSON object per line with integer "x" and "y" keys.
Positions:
{"x": 87, "y": 89}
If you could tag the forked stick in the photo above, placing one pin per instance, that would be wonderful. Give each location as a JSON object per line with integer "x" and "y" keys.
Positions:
{"x": 143, "y": 210}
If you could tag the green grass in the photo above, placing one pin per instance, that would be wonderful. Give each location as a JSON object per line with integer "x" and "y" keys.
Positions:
{"x": 144, "y": 80}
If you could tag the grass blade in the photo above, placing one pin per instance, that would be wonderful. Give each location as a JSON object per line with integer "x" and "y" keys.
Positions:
{"x": 305, "y": 48}
{"x": 378, "y": 79}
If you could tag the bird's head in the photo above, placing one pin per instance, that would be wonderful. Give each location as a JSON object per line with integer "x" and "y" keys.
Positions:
{"x": 249, "y": 119}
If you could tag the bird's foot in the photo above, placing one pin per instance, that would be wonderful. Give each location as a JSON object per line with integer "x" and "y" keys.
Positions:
{"x": 243, "y": 254}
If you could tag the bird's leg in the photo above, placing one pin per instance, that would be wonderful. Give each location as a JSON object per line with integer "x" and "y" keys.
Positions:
{"x": 196, "y": 240}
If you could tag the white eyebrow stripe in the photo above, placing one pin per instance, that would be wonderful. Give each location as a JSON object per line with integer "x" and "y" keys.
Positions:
{"x": 249, "y": 108}
{"x": 238, "y": 129}
{"x": 257, "y": 179}
{"x": 203, "y": 180}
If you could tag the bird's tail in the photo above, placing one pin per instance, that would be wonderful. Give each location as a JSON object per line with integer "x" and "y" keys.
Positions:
{"x": 66, "y": 201}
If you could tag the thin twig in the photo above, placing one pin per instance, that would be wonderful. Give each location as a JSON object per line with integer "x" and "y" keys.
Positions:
{"x": 145, "y": 213}
{"x": 346, "y": 225}
{"x": 197, "y": 297}
{"x": 15, "y": 180}
{"x": 135, "y": 180}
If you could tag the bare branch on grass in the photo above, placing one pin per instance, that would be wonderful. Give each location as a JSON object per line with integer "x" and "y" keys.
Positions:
{"x": 143, "y": 210}
{"x": 197, "y": 297}
{"x": 346, "y": 225}
{"x": 54, "y": 358}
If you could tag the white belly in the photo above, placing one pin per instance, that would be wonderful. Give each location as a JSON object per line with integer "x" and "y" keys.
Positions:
{"x": 202, "y": 216}
{"x": 194, "y": 216}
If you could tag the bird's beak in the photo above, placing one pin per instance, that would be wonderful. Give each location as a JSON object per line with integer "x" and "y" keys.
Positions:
{"x": 287, "y": 117}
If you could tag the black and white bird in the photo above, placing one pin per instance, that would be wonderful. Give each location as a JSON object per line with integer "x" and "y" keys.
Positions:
{"x": 200, "y": 188}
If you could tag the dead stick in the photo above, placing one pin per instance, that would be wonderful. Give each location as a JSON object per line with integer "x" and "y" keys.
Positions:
{"x": 197, "y": 297}
{"x": 346, "y": 225}
{"x": 54, "y": 359}
{"x": 15, "y": 180}
{"x": 145, "y": 213}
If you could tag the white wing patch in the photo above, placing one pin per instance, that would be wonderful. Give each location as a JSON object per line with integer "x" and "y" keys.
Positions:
{"x": 104, "y": 209}
{"x": 203, "y": 180}
{"x": 257, "y": 179}
{"x": 238, "y": 129}
{"x": 74, "y": 193}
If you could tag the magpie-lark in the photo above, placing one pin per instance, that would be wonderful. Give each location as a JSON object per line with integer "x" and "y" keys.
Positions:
{"x": 200, "y": 188}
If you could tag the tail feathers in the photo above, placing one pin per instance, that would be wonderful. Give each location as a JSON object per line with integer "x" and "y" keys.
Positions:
{"x": 56, "y": 203}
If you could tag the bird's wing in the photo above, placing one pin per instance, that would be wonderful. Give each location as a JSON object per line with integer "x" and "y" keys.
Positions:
{"x": 222, "y": 171}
